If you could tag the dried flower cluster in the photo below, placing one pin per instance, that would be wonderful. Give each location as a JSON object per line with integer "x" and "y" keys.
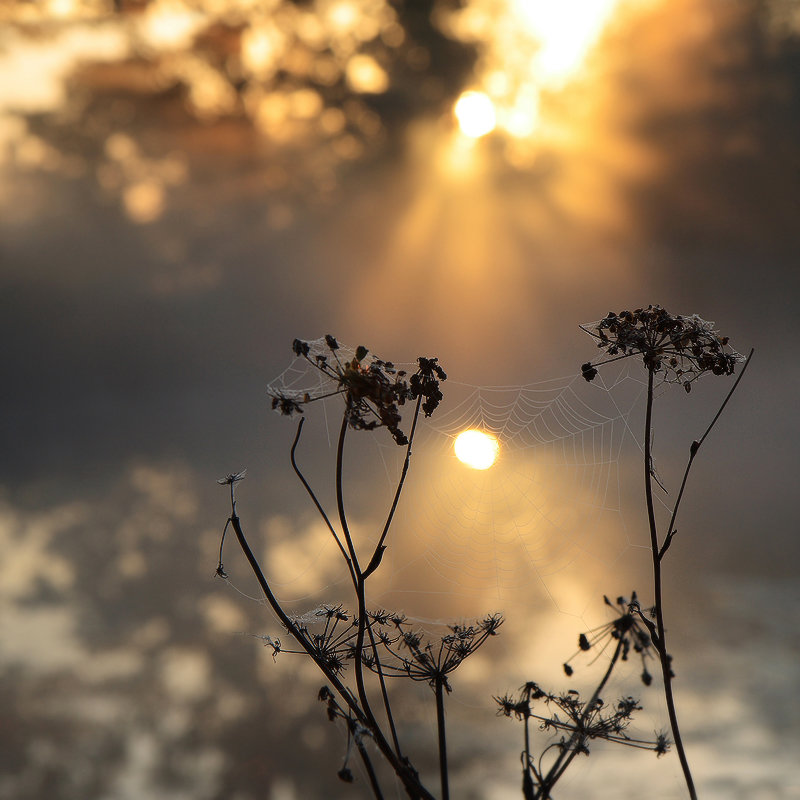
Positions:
{"x": 681, "y": 348}
{"x": 373, "y": 389}
{"x": 579, "y": 721}
{"x": 334, "y": 644}
{"x": 403, "y": 651}
{"x": 433, "y": 660}
{"x": 627, "y": 629}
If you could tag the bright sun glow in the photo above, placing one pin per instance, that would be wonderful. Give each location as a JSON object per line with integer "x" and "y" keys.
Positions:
{"x": 476, "y": 449}
{"x": 475, "y": 114}
{"x": 527, "y": 48}
{"x": 566, "y": 32}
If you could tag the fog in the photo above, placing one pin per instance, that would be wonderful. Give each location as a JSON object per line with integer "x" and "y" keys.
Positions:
{"x": 187, "y": 187}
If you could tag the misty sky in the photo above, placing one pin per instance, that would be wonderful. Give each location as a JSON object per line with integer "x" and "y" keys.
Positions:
{"x": 185, "y": 189}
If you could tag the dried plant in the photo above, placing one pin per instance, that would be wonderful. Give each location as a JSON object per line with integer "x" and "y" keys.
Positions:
{"x": 368, "y": 646}
{"x": 379, "y": 644}
{"x": 579, "y": 722}
{"x": 674, "y": 349}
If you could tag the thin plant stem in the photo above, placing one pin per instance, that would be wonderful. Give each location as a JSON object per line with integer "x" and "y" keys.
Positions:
{"x": 440, "y": 725}
{"x": 527, "y": 781}
{"x": 400, "y": 483}
{"x": 570, "y": 751}
{"x": 314, "y": 499}
{"x": 359, "y": 577}
{"x": 411, "y": 783}
{"x": 384, "y": 693}
{"x": 349, "y": 557}
{"x": 359, "y": 664}
{"x": 693, "y": 450}
{"x": 340, "y": 491}
{"x": 373, "y": 778}
{"x": 660, "y": 642}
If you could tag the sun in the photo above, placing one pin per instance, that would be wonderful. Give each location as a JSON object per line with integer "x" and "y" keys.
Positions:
{"x": 476, "y": 449}
{"x": 475, "y": 114}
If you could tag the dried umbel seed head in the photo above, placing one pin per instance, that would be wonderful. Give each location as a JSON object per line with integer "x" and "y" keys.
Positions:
{"x": 579, "y": 721}
{"x": 409, "y": 653}
{"x": 679, "y": 348}
{"x": 626, "y": 628}
{"x": 373, "y": 389}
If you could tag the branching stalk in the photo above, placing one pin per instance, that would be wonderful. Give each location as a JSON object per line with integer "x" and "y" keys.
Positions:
{"x": 571, "y": 750}
{"x": 410, "y": 782}
{"x": 659, "y": 551}
{"x": 693, "y": 450}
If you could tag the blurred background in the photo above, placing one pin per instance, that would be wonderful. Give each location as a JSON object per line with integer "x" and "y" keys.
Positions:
{"x": 188, "y": 185}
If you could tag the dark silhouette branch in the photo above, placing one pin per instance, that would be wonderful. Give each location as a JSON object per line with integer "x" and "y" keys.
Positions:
{"x": 693, "y": 450}
{"x": 316, "y": 502}
{"x": 407, "y": 775}
{"x": 442, "y": 735}
{"x": 660, "y": 641}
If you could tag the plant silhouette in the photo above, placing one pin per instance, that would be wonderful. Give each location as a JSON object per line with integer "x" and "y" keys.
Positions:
{"x": 358, "y": 653}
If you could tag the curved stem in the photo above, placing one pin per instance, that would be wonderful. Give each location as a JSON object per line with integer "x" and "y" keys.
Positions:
{"x": 314, "y": 499}
{"x": 340, "y": 491}
{"x": 411, "y": 782}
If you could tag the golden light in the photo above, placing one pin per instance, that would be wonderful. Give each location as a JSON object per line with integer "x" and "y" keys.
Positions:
{"x": 169, "y": 25}
{"x": 263, "y": 47}
{"x": 566, "y": 31}
{"x": 476, "y": 449}
{"x": 365, "y": 75}
{"x": 527, "y": 50}
{"x": 475, "y": 114}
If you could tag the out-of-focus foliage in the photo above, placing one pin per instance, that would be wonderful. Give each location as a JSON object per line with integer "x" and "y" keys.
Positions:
{"x": 288, "y": 91}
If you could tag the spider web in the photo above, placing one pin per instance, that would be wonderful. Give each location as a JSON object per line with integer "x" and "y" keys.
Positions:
{"x": 548, "y": 513}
